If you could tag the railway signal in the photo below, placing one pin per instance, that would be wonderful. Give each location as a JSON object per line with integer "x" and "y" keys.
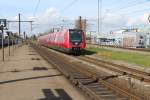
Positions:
{"x": 2, "y": 25}
{"x": 3, "y": 22}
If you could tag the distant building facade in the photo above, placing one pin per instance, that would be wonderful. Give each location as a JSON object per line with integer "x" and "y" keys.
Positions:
{"x": 124, "y": 38}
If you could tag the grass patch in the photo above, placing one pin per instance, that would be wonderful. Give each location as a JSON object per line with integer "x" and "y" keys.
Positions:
{"x": 139, "y": 59}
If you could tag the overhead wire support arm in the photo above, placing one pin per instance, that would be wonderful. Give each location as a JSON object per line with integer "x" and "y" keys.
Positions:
{"x": 18, "y": 21}
{"x": 25, "y": 21}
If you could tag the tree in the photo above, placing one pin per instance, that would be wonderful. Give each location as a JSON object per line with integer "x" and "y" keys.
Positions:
{"x": 81, "y": 24}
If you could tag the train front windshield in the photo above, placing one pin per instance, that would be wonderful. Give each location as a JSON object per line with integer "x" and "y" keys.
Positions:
{"x": 75, "y": 36}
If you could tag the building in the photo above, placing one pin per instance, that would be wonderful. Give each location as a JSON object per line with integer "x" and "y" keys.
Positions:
{"x": 134, "y": 39}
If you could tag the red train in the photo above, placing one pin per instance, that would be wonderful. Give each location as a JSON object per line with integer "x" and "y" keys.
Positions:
{"x": 67, "y": 40}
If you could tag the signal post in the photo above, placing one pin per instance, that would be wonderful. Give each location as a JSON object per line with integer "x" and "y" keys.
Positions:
{"x": 2, "y": 25}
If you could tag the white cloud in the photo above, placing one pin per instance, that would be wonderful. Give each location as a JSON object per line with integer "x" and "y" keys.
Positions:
{"x": 15, "y": 18}
{"x": 45, "y": 19}
{"x": 141, "y": 20}
{"x": 144, "y": 18}
{"x": 51, "y": 12}
{"x": 51, "y": 18}
{"x": 42, "y": 22}
{"x": 48, "y": 16}
{"x": 113, "y": 21}
{"x": 131, "y": 22}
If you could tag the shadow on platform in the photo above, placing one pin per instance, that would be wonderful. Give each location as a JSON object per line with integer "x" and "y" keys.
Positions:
{"x": 49, "y": 95}
{"x": 30, "y": 78}
{"x": 23, "y": 70}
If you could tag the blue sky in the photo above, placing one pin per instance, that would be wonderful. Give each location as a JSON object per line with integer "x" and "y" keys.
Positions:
{"x": 117, "y": 14}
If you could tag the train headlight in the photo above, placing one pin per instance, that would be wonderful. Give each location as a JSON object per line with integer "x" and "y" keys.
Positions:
{"x": 76, "y": 43}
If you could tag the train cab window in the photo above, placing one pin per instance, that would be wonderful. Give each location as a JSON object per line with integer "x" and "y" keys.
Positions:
{"x": 75, "y": 35}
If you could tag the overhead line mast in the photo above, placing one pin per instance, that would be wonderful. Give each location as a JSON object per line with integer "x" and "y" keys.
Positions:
{"x": 19, "y": 22}
{"x": 99, "y": 17}
{"x": 19, "y": 25}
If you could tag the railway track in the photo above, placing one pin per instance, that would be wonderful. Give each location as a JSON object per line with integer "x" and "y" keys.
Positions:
{"x": 91, "y": 82}
{"x": 134, "y": 49}
{"x": 124, "y": 70}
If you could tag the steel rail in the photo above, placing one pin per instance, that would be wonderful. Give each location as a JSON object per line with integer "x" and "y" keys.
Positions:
{"x": 134, "y": 49}
{"x": 124, "y": 70}
{"x": 84, "y": 77}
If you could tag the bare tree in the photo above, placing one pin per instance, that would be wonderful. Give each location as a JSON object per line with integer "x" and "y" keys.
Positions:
{"x": 81, "y": 24}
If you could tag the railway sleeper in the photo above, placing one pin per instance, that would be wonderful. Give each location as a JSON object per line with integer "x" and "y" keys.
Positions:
{"x": 102, "y": 93}
{"x": 112, "y": 97}
{"x": 84, "y": 81}
{"x": 108, "y": 94}
{"x": 105, "y": 92}
{"x": 79, "y": 76}
{"x": 89, "y": 92}
{"x": 108, "y": 77}
{"x": 77, "y": 79}
{"x": 87, "y": 81}
{"x": 97, "y": 88}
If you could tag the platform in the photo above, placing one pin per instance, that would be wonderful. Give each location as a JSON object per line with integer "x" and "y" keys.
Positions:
{"x": 27, "y": 76}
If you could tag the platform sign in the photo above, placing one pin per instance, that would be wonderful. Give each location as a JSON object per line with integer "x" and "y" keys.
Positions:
{"x": 3, "y": 22}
